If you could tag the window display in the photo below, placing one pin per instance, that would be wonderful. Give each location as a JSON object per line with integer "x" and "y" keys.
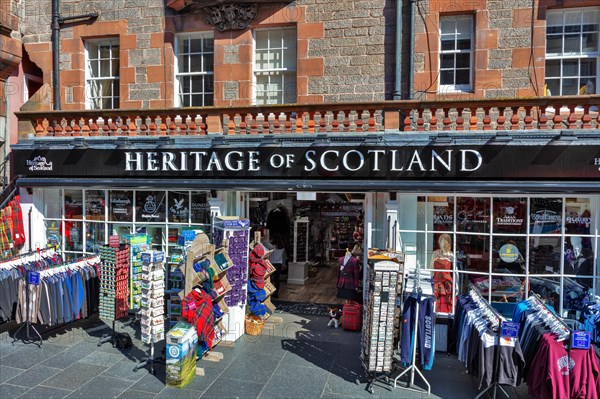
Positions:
{"x": 545, "y": 216}
{"x": 473, "y": 214}
{"x": 442, "y": 261}
{"x": 73, "y": 204}
{"x": 578, "y": 216}
{"x": 95, "y": 203}
{"x": 200, "y": 208}
{"x": 473, "y": 252}
{"x": 120, "y": 206}
{"x": 179, "y": 206}
{"x": 510, "y": 215}
{"x": 150, "y": 206}
{"x": 73, "y": 236}
{"x": 544, "y": 255}
{"x": 508, "y": 254}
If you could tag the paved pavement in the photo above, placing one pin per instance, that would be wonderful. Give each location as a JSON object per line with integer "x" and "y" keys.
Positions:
{"x": 299, "y": 358}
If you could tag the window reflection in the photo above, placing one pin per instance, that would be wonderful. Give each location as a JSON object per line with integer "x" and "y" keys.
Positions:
{"x": 473, "y": 214}
{"x": 544, "y": 255}
{"x": 545, "y": 216}
{"x": 472, "y": 252}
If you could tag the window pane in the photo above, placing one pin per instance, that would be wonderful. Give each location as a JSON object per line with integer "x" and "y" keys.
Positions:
{"x": 544, "y": 255}
{"x": 553, "y": 44}
{"x": 473, "y": 214}
{"x": 508, "y": 254}
{"x": 73, "y": 236}
{"x": 463, "y": 60}
{"x": 462, "y": 77}
{"x": 411, "y": 213}
{"x": 588, "y": 67}
{"x": 578, "y": 215}
{"x": 195, "y": 45}
{"x": 179, "y": 206}
{"x": 570, "y": 68}
{"x": 150, "y": 206}
{"x": 481, "y": 283}
{"x": 196, "y": 63}
{"x": 553, "y": 86}
{"x": 200, "y": 208}
{"x": 94, "y": 237}
{"x": 197, "y": 84}
{"x": 579, "y": 256}
{"x": 463, "y": 44}
{"x": 94, "y": 204}
{"x": 572, "y": 44}
{"x": 289, "y": 58}
{"x": 115, "y": 51}
{"x": 275, "y": 60}
{"x": 73, "y": 204}
{"x": 570, "y": 87}
{"x": 209, "y": 45}
{"x": 463, "y": 27}
{"x": 94, "y": 72}
{"x": 105, "y": 51}
{"x": 448, "y": 43}
{"x": 553, "y": 68}
{"x": 507, "y": 289}
{"x": 289, "y": 37}
{"x": 289, "y": 89}
{"x": 510, "y": 215}
{"x": 92, "y": 51}
{"x": 472, "y": 253}
{"x": 262, "y": 59}
{"x": 575, "y": 296}
{"x": 208, "y": 84}
{"x": 590, "y": 42}
{"x": 545, "y": 216}
{"x": 447, "y": 26}
{"x": 209, "y": 62}
{"x": 197, "y": 100}
{"x": 53, "y": 233}
{"x": 208, "y": 100}
{"x": 554, "y": 29}
{"x": 447, "y": 61}
{"x": 120, "y": 206}
{"x": 52, "y": 203}
{"x": 262, "y": 39}
{"x": 443, "y": 213}
{"x": 548, "y": 288}
{"x": 554, "y": 19}
{"x": 572, "y": 17}
{"x": 447, "y": 77}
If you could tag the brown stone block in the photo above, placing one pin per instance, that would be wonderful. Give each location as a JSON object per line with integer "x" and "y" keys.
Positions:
{"x": 245, "y": 53}
{"x": 156, "y": 74}
{"x": 277, "y": 14}
{"x": 310, "y": 99}
{"x": 311, "y": 31}
{"x": 302, "y": 48}
{"x": 481, "y": 59}
{"x": 236, "y": 72}
{"x": 521, "y": 57}
{"x": 241, "y": 37}
{"x": 127, "y": 75}
{"x": 128, "y": 42}
{"x": 72, "y": 77}
{"x": 130, "y": 104}
{"x": 71, "y": 45}
{"x": 488, "y": 79}
{"x": 159, "y": 39}
{"x": 77, "y": 61}
{"x": 522, "y": 17}
{"x": 101, "y": 28}
{"x": 487, "y": 39}
{"x": 421, "y": 41}
{"x": 310, "y": 67}
{"x": 528, "y": 92}
{"x": 162, "y": 103}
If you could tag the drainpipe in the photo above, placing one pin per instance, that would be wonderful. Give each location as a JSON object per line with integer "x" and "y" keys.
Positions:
{"x": 55, "y": 55}
{"x": 411, "y": 55}
{"x": 398, "y": 80}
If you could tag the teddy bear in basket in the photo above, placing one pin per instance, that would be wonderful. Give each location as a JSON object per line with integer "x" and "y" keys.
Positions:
{"x": 335, "y": 317}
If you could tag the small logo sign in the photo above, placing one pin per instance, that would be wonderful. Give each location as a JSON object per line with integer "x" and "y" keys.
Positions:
{"x": 150, "y": 205}
{"x": 39, "y": 163}
{"x": 34, "y": 278}
{"x": 509, "y": 253}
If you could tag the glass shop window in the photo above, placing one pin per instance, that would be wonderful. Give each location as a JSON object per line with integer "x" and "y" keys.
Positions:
{"x": 120, "y": 206}
{"x": 73, "y": 204}
{"x": 473, "y": 214}
{"x": 150, "y": 206}
{"x": 545, "y": 216}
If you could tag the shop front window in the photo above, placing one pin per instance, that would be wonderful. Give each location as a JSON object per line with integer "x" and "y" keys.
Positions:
{"x": 544, "y": 254}
{"x": 73, "y": 204}
{"x": 52, "y": 203}
{"x": 200, "y": 208}
{"x": 150, "y": 206}
{"x": 74, "y": 236}
{"x": 95, "y": 204}
{"x": 179, "y": 207}
{"x": 472, "y": 252}
{"x": 579, "y": 219}
{"x": 510, "y": 215}
{"x": 94, "y": 237}
{"x": 473, "y": 214}
{"x": 120, "y": 206}
{"x": 548, "y": 289}
{"x": 508, "y": 254}
{"x": 545, "y": 216}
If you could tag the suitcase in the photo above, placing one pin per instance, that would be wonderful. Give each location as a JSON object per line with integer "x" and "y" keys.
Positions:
{"x": 352, "y": 316}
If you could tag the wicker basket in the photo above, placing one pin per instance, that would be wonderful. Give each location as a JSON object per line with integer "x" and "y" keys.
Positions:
{"x": 254, "y": 325}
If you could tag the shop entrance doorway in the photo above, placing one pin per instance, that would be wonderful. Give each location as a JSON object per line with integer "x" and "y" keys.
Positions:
{"x": 318, "y": 233}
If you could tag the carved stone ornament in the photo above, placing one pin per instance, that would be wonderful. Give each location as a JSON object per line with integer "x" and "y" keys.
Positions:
{"x": 231, "y": 16}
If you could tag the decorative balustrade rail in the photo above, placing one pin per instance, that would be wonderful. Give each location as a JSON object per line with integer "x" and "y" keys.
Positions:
{"x": 542, "y": 113}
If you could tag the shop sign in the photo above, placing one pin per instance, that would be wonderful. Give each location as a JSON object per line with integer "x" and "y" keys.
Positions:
{"x": 349, "y": 160}
{"x": 120, "y": 207}
{"x": 53, "y": 234}
{"x": 179, "y": 208}
{"x": 581, "y": 340}
{"x": 509, "y": 218}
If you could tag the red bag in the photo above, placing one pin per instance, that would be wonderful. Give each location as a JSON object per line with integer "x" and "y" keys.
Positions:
{"x": 352, "y": 316}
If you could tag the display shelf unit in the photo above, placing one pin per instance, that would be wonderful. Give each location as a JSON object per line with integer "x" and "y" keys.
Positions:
{"x": 114, "y": 282}
{"x": 301, "y": 237}
{"x": 236, "y": 231}
{"x": 138, "y": 243}
{"x": 269, "y": 288}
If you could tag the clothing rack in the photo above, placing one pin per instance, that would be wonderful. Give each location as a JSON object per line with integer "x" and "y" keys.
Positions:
{"x": 490, "y": 311}
{"x": 413, "y": 365}
{"x": 549, "y": 314}
{"x": 28, "y": 325}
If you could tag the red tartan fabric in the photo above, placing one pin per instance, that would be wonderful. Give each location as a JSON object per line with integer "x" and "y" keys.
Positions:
{"x": 4, "y": 240}
{"x": 352, "y": 316}
{"x": 18, "y": 226}
{"x": 197, "y": 309}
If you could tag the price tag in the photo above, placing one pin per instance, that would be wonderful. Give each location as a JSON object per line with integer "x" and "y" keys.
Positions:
{"x": 509, "y": 330}
{"x": 581, "y": 340}
{"x": 34, "y": 278}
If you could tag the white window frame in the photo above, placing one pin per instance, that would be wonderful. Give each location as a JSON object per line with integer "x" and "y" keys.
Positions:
{"x": 283, "y": 70}
{"x": 176, "y": 73}
{"x": 574, "y": 56}
{"x": 88, "y": 77}
{"x": 445, "y": 88}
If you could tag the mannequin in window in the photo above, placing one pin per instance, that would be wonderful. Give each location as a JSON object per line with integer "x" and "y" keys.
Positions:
{"x": 442, "y": 259}
{"x": 348, "y": 277}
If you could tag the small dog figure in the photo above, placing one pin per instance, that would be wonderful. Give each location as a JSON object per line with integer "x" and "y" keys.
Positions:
{"x": 335, "y": 317}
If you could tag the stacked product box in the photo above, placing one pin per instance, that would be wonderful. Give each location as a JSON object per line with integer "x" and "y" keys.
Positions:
{"x": 137, "y": 243}
{"x": 182, "y": 341}
{"x": 114, "y": 282}
{"x": 379, "y": 314}
{"x": 153, "y": 292}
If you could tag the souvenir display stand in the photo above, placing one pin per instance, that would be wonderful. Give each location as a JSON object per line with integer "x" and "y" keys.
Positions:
{"x": 152, "y": 303}
{"x": 114, "y": 286}
{"x": 377, "y": 340}
{"x": 237, "y": 233}
{"x": 138, "y": 243}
